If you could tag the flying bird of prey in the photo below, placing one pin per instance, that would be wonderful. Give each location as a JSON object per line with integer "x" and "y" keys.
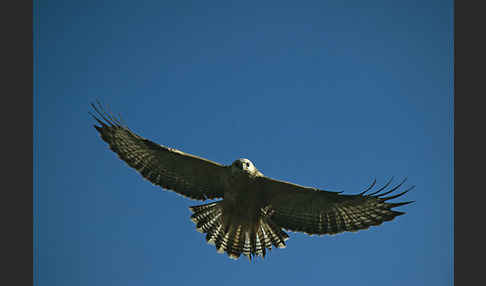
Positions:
{"x": 254, "y": 208}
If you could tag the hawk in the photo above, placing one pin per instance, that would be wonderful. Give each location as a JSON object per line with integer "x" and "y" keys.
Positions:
{"x": 255, "y": 209}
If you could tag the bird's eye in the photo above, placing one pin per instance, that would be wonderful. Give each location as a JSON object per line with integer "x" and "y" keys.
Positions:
{"x": 248, "y": 164}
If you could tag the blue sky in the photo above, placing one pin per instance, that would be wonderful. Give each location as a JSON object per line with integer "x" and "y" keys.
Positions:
{"x": 329, "y": 94}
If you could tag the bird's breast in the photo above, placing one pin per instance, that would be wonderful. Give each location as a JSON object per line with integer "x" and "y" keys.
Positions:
{"x": 243, "y": 193}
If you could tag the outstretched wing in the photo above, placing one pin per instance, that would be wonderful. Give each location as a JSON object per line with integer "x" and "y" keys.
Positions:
{"x": 186, "y": 174}
{"x": 313, "y": 211}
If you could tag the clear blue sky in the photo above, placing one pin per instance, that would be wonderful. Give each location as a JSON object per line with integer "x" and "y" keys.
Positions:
{"x": 329, "y": 94}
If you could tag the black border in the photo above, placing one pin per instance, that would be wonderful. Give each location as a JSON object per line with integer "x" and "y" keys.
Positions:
{"x": 469, "y": 190}
{"x": 17, "y": 141}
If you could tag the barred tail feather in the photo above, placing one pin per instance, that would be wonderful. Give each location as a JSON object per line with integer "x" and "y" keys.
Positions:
{"x": 237, "y": 238}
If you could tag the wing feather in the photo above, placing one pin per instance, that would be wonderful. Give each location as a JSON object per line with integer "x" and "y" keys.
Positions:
{"x": 186, "y": 174}
{"x": 314, "y": 211}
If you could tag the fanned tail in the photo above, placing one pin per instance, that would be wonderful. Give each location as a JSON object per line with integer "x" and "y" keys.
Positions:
{"x": 234, "y": 237}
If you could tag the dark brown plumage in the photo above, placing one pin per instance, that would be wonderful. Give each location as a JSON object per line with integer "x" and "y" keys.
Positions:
{"x": 255, "y": 209}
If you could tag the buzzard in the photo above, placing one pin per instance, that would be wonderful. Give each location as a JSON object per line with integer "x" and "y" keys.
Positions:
{"x": 254, "y": 208}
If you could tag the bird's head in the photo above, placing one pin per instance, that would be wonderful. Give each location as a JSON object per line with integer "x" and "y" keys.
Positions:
{"x": 245, "y": 166}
